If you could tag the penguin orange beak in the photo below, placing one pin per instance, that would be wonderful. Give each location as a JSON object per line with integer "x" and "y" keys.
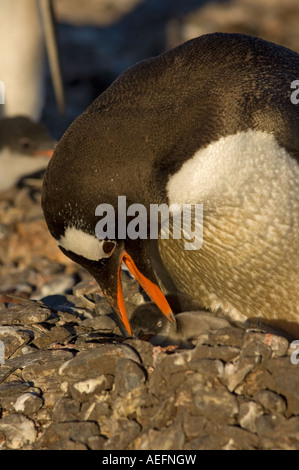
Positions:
{"x": 152, "y": 290}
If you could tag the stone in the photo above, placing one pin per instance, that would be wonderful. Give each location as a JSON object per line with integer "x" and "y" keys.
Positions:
{"x": 12, "y": 394}
{"x": 144, "y": 349}
{"x": 13, "y": 338}
{"x": 193, "y": 426}
{"x": 58, "y": 334}
{"x": 212, "y": 399}
{"x": 18, "y": 431}
{"x": 127, "y": 431}
{"x": 100, "y": 323}
{"x": 23, "y": 313}
{"x": 156, "y": 413}
{"x": 256, "y": 379}
{"x": 39, "y": 367}
{"x": 271, "y": 401}
{"x": 248, "y": 414}
{"x": 128, "y": 375}
{"x": 58, "y": 286}
{"x": 67, "y": 444}
{"x": 239, "y": 439}
{"x": 169, "y": 372}
{"x": 228, "y": 336}
{"x": 278, "y": 344}
{"x": 208, "y": 367}
{"x": 98, "y": 410}
{"x": 72, "y": 430}
{"x": 235, "y": 372}
{"x": 32, "y": 238}
{"x": 170, "y": 438}
{"x": 13, "y": 389}
{"x": 223, "y": 437}
{"x": 283, "y": 436}
{"x": 66, "y": 409}
{"x": 96, "y": 442}
{"x": 254, "y": 347}
{"x": 85, "y": 389}
{"x": 99, "y": 361}
{"x": 224, "y": 353}
{"x": 286, "y": 382}
{"x": 28, "y": 403}
{"x": 33, "y": 360}
{"x": 268, "y": 424}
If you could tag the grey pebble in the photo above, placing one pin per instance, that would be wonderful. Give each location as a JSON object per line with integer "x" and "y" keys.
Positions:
{"x": 18, "y": 430}
{"x": 85, "y": 389}
{"x": 13, "y": 388}
{"x": 123, "y": 436}
{"x": 67, "y": 444}
{"x": 93, "y": 363}
{"x": 66, "y": 409}
{"x": 78, "y": 432}
{"x": 96, "y": 442}
{"x": 60, "y": 285}
{"x": 267, "y": 424}
{"x": 100, "y": 323}
{"x": 248, "y": 414}
{"x": 13, "y": 338}
{"x": 28, "y": 403}
{"x": 128, "y": 376}
{"x": 235, "y": 372}
{"x": 271, "y": 401}
{"x": 172, "y": 438}
{"x": 25, "y": 313}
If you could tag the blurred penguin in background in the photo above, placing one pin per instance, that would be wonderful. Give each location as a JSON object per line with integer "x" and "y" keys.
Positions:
{"x": 27, "y": 32}
{"x": 22, "y": 55}
{"x": 27, "y": 35}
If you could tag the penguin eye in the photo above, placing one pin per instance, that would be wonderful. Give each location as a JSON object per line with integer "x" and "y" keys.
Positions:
{"x": 26, "y": 145}
{"x": 108, "y": 247}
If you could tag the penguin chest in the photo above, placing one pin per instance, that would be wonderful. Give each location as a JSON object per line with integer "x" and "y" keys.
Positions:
{"x": 248, "y": 262}
{"x": 246, "y": 267}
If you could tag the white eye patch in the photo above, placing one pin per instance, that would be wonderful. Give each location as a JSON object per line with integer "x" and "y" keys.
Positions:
{"x": 83, "y": 244}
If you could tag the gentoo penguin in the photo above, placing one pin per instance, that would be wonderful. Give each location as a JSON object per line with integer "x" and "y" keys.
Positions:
{"x": 209, "y": 122}
{"x": 25, "y": 148}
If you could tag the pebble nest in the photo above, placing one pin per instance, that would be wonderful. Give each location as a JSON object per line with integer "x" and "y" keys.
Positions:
{"x": 72, "y": 380}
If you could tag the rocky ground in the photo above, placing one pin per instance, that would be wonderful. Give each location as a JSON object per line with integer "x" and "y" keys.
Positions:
{"x": 70, "y": 379}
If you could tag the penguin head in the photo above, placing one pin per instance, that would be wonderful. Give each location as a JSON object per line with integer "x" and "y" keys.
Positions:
{"x": 21, "y": 135}
{"x": 25, "y": 149}
{"x": 103, "y": 260}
